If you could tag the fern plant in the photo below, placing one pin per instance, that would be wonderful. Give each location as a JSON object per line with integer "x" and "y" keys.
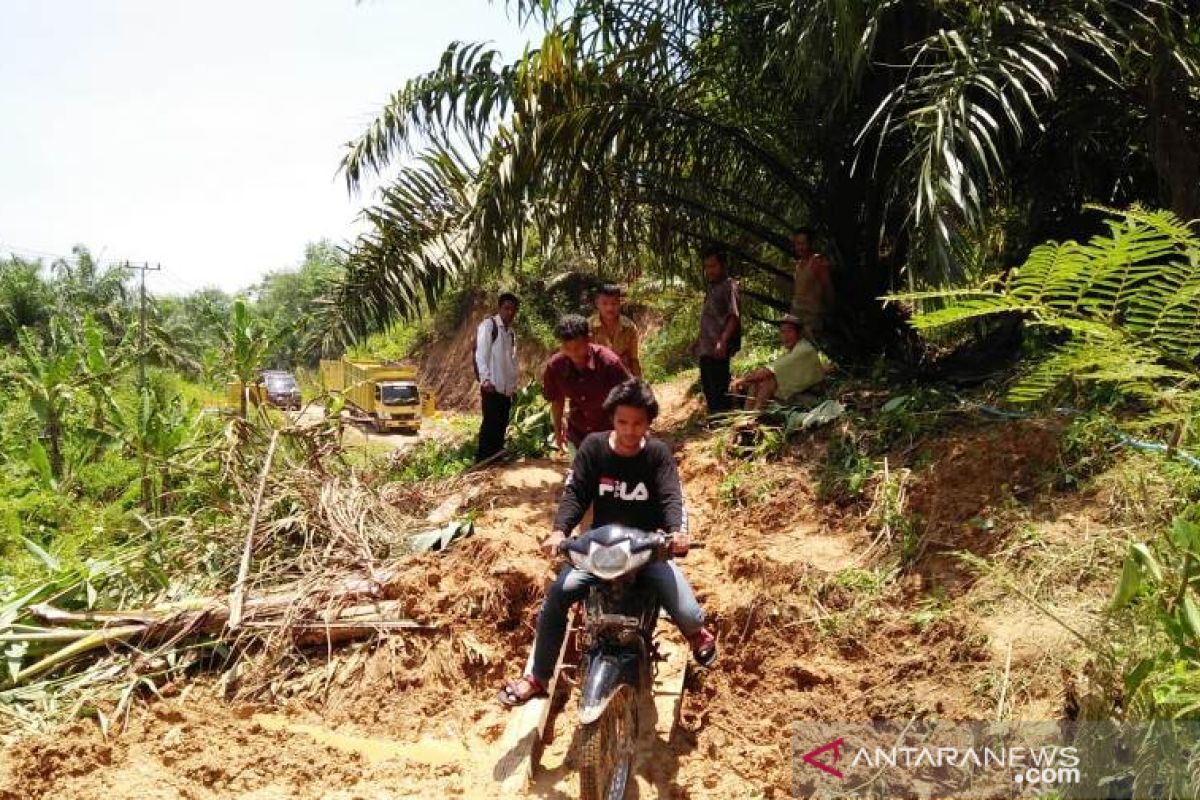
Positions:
{"x": 1128, "y": 302}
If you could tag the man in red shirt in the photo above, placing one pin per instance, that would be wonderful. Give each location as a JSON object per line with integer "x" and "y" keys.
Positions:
{"x": 583, "y": 373}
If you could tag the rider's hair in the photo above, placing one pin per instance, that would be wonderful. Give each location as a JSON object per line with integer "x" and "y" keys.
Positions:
{"x": 610, "y": 290}
{"x": 571, "y": 326}
{"x": 804, "y": 230}
{"x": 634, "y": 392}
{"x": 508, "y": 297}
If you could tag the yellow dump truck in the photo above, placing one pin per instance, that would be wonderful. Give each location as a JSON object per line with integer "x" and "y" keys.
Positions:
{"x": 383, "y": 394}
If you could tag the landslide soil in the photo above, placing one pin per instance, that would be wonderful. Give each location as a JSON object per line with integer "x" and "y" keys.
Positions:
{"x": 781, "y": 580}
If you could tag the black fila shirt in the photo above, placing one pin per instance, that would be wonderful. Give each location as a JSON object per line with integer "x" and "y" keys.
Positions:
{"x": 642, "y": 491}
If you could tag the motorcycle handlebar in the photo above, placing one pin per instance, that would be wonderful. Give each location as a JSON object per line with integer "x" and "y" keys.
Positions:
{"x": 562, "y": 546}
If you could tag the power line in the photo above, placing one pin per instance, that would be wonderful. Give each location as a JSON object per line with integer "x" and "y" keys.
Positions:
{"x": 33, "y": 252}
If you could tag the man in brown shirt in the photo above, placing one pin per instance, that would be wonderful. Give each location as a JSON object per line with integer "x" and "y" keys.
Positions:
{"x": 614, "y": 330}
{"x": 812, "y": 293}
{"x": 720, "y": 330}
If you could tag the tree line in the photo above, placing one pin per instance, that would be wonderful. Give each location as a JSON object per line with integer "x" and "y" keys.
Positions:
{"x": 930, "y": 144}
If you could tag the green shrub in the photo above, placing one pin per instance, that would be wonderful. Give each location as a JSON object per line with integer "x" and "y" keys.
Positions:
{"x": 531, "y": 425}
{"x": 668, "y": 351}
{"x": 845, "y": 471}
{"x": 113, "y": 478}
{"x": 435, "y": 460}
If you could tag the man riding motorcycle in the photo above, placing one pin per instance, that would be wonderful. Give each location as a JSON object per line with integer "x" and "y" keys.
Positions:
{"x": 628, "y": 479}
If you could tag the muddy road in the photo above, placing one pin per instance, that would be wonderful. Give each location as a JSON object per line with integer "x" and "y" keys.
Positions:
{"x": 815, "y": 621}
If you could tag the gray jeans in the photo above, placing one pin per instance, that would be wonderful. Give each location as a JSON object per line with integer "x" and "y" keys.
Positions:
{"x": 674, "y": 594}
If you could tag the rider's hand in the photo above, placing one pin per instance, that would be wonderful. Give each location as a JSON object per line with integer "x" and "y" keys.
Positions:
{"x": 680, "y": 542}
{"x": 719, "y": 350}
{"x": 560, "y": 441}
{"x": 488, "y": 386}
{"x": 550, "y": 543}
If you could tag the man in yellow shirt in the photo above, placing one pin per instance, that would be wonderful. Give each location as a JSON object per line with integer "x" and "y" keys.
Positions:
{"x": 799, "y": 368}
{"x": 614, "y": 330}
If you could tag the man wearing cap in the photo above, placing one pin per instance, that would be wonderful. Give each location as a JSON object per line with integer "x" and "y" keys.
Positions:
{"x": 798, "y": 369}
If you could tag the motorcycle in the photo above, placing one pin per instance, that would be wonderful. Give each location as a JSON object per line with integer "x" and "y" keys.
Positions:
{"x": 618, "y": 652}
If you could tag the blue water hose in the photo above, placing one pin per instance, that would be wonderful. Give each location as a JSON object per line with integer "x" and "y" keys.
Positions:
{"x": 1125, "y": 439}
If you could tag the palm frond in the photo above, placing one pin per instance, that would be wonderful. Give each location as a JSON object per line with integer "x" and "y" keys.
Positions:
{"x": 973, "y": 92}
{"x": 1129, "y": 300}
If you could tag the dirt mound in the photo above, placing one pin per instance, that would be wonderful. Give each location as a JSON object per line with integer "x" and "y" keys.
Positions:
{"x": 445, "y": 365}
{"x": 970, "y": 477}
{"x": 972, "y": 472}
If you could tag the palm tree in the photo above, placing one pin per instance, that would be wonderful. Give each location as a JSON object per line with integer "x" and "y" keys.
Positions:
{"x": 83, "y": 286}
{"x": 648, "y": 128}
{"x": 25, "y": 299}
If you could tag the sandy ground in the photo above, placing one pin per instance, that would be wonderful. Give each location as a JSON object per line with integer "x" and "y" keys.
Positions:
{"x": 358, "y": 435}
{"x": 781, "y": 580}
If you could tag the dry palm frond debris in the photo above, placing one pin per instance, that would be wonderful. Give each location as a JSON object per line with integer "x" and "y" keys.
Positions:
{"x": 319, "y": 568}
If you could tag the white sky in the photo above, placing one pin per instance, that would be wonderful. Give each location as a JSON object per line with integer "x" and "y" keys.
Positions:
{"x": 202, "y": 135}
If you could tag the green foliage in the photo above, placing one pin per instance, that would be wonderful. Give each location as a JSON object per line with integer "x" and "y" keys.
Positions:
{"x": 246, "y": 342}
{"x": 25, "y": 299}
{"x": 668, "y": 351}
{"x": 746, "y": 485}
{"x": 1127, "y": 303}
{"x": 110, "y": 479}
{"x": 531, "y": 425}
{"x": 1157, "y": 661}
{"x": 845, "y": 471}
{"x": 853, "y": 596}
{"x": 398, "y": 342}
{"x": 1089, "y": 446}
{"x": 595, "y": 138}
{"x": 435, "y": 460}
{"x": 907, "y": 417}
{"x": 286, "y": 301}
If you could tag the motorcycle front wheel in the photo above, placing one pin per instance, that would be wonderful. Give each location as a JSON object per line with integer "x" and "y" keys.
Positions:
{"x": 607, "y": 748}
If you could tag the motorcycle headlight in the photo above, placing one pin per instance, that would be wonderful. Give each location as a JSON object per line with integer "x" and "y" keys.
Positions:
{"x": 609, "y": 562}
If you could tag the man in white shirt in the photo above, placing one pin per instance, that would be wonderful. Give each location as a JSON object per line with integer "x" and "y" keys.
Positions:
{"x": 496, "y": 368}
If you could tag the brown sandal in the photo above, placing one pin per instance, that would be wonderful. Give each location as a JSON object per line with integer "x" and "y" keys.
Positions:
{"x": 511, "y": 694}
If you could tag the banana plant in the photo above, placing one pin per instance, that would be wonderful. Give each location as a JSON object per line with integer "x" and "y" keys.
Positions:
{"x": 48, "y": 374}
{"x": 163, "y": 427}
{"x": 245, "y": 345}
{"x": 1159, "y": 581}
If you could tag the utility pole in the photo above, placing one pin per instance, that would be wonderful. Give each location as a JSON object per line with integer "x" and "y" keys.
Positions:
{"x": 143, "y": 269}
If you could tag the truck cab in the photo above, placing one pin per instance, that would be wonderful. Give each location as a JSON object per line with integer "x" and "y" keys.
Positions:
{"x": 398, "y": 404}
{"x": 379, "y": 393}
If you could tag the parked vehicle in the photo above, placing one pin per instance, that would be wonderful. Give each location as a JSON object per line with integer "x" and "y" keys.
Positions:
{"x": 382, "y": 394}
{"x": 275, "y": 387}
{"x": 282, "y": 389}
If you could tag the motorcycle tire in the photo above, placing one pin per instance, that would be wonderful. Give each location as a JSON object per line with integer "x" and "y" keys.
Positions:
{"x": 607, "y": 747}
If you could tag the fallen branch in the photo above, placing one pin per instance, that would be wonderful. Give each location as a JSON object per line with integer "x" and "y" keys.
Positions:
{"x": 55, "y": 616}
{"x": 95, "y": 639}
{"x": 239, "y": 587}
